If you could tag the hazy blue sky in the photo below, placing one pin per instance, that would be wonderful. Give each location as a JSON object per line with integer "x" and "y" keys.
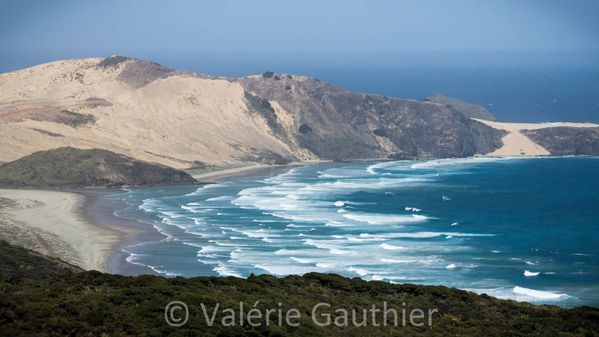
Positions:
{"x": 533, "y": 60}
{"x": 119, "y": 26}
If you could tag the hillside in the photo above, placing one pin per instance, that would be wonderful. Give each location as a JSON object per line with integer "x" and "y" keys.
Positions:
{"x": 339, "y": 124}
{"x": 43, "y": 297}
{"x": 566, "y": 140}
{"x": 467, "y": 109}
{"x": 71, "y": 167}
{"x": 545, "y": 139}
{"x": 157, "y": 114}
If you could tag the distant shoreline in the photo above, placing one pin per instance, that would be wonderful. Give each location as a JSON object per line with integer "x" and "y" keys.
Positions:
{"x": 221, "y": 174}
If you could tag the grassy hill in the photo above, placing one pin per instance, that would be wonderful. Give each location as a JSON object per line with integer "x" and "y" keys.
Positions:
{"x": 42, "y": 297}
{"x": 71, "y": 167}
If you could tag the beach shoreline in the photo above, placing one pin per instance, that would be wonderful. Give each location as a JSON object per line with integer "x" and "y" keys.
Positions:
{"x": 221, "y": 174}
{"x": 100, "y": 211}
{"x": 80, "y": 225}
{"x": 50, "y": 223}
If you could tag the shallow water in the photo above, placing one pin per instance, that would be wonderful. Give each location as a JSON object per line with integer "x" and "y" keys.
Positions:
{"x": 525, "y": 229}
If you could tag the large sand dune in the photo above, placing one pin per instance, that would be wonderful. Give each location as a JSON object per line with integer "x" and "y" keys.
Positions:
{"x": 174, "y": 120}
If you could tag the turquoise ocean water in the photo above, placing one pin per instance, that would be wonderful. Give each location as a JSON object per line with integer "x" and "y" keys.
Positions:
{"x": 525, "y": 229}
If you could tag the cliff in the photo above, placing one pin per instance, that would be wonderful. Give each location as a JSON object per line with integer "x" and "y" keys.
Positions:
{"x": 338, "y": 124}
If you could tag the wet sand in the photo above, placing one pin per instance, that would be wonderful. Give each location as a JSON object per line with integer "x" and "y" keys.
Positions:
{"x": 50, "y": 222}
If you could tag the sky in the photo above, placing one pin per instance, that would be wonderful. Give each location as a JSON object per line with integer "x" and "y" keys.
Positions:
{"x": 404, "y": 48}
{"x": 112, "y": 26}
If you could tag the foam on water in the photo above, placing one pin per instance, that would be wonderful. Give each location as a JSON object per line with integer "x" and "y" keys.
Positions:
{"x": 539, "y": 294}
{"x": 440, "y": 163}
{"x": 522, "y": 294}
{"x": 221, "y": 198}
{"x": 385, "y": 219}
{"x": 388, "y": 246}
{"x": 356, "y": 220}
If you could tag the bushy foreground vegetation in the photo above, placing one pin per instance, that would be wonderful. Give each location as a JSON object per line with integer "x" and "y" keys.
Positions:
{"x": 43, "y": 297}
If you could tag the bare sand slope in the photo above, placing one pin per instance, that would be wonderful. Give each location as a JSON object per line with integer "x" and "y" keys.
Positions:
{"x": 49, "y": 223}
{"x": 517, "y": 144}
{"x": 173, "y": 120}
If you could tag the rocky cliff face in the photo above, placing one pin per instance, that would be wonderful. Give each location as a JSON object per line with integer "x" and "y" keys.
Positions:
{"x": 566, "y": 140}
{"x": 339, "y": 124}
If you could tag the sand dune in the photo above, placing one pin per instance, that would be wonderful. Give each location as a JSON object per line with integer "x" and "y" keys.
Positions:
{"x": 173, "y": 121}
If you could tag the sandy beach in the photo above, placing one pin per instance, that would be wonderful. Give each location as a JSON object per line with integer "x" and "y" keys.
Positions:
{"x": 225, "y": 173}
{"x": 79, "y": 226}
{"x": 50, "y": 223}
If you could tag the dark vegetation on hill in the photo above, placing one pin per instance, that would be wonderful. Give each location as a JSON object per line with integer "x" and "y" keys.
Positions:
{"x": 564, "y": 140}
{"x": 75, "y": 119}
{"x": 463, "y": 107}
{"x": 71, "y": 167}
{"x": 113, "y": 61}
{"x": 343, "y": 125}
{"x": 263, "y": 107}
{"x": 52, "y": 114}
{"x": 43, "y": 297}
{"x": 136, "y": 73}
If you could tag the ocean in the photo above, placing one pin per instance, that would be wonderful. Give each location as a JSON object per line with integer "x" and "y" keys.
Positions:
{"x": 518, "y": 228}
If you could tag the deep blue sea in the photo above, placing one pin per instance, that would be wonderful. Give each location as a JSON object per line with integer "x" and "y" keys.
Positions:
{"x": 518, "y": 228}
